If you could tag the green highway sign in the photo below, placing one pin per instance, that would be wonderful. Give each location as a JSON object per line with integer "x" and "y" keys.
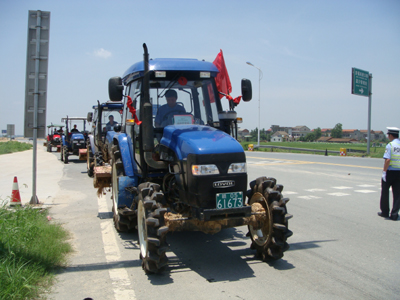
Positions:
{"x": 360, "y": 82}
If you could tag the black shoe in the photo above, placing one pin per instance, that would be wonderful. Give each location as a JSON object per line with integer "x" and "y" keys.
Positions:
{"x": 394, "y": 217}
{"x": 381, "y": 214}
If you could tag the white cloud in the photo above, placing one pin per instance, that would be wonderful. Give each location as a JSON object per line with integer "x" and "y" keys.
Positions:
{"x": 102, "y": 53}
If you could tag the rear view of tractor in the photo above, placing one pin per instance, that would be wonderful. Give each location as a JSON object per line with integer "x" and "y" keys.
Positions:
{"x": 74, "y": 140}
{"x": 178, "y": 167}
{"x": 106, "y": 121}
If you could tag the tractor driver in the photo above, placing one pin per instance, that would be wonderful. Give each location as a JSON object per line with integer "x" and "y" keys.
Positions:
{"x": 74, "y": 129}
{"x": 168, "y": 109}
{"x": 111, "y": 123}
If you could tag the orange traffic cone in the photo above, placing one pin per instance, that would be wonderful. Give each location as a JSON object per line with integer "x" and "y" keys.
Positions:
{"x": 15, "y": 197}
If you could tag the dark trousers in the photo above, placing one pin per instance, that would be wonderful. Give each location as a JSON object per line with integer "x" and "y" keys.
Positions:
{"x": 392, "y": 180}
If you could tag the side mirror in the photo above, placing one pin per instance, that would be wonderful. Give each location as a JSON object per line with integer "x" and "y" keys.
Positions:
{"x": 115, "y": 88}
{"x": 89, "y": 117}
{"x": 246, "y": 90}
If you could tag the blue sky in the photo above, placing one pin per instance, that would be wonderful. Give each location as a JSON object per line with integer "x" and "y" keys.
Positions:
{"x": 305, "y": 49}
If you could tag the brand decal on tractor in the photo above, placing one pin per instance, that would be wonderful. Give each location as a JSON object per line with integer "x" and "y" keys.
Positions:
{"x": 223, "y": 184}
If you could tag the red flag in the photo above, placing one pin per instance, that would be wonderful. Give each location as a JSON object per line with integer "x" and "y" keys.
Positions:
{"x": 222, "y": 80}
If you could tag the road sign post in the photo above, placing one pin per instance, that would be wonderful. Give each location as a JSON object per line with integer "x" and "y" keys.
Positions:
{"x": 36, "y": 83}
{"x": 361, "y": 85}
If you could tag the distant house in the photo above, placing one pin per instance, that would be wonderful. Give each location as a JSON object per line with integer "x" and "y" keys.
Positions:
{"x": 243, "y": 132}
{"x": 299, "y": 131}
{"x": 375, "y": 135}
{"x": 280, "y": 136}
{"x": 379, "y": 135}
{"x": 326, "y": 131}
{"x": 352, "y": 134}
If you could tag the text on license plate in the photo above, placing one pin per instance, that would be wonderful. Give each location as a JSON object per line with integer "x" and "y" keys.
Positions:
{"x": 229, "y": 200}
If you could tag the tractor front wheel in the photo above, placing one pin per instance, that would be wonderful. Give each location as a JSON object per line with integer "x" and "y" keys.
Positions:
{"x": 270, "y": 239}
{"x": 151, "y": 228}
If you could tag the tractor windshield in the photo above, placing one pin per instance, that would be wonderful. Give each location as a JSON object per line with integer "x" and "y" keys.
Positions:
{"x": 110, "y": 118}
{"x": 181, "y": 102}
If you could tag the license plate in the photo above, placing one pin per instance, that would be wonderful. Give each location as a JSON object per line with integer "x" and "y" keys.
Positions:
{"x": 229, "y": 200}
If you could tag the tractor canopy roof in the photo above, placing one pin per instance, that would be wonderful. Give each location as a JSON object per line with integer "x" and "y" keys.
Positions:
{"x": 55, "y": 125}
{"x": 169, "y": 64}
{"x": 111, "y": 105}
{"x": 73, "y": 119}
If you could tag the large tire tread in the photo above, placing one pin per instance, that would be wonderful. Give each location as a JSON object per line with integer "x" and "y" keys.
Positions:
{"x": 277, "y": 218}
{"x": 154, "y": 259}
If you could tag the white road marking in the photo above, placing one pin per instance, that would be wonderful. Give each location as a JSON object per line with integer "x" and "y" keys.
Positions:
{"x": 338, "y": 194}
{"x": 119, "y": 276}
{"x": 289, "y": 193}
{"x": 342, "y": 187}
{"x": 309, "y": 197}
{"x": 366, "y": 185}
{"x": 365, "y": 191}
{"x": 315, "y": 190}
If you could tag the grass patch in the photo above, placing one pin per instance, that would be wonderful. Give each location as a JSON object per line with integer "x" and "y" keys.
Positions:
{"x": 13, "y": 146}
{"x": 375, "y": 152}
{"x": 31, "y": 248}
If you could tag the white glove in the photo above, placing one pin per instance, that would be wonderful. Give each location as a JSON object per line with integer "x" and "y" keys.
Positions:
{"x": 384, "y": 176}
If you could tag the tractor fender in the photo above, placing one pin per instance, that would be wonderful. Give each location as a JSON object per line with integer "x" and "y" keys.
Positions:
{"x": 124, "y": 196}
{"x": 125, "y": 149}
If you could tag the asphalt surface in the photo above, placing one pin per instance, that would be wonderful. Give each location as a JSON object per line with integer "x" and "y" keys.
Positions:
{"x": 340, "y": 248}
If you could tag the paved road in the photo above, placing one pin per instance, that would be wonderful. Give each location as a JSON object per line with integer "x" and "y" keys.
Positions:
{"x": 340, "y": 248}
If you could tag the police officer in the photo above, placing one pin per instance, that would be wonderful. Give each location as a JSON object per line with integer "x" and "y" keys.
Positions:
{"x": 391, "y": 175}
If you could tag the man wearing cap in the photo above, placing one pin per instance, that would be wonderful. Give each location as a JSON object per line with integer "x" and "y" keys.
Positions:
{"x": 391, "y": 175}
{"x": 169, "y": 109}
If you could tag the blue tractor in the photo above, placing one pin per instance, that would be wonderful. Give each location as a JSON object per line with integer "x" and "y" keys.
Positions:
{"x": 184, "y": 170}
{"x": 74, "y": 140}
{"x": 106, "y": 121}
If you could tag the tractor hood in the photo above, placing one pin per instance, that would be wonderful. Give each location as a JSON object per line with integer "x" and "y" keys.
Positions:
{"x": 77, "y": 136}
{"x": 198, "y": 139}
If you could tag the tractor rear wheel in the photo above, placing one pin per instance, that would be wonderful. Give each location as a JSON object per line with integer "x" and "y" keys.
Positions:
{"x": 151, "y": 228}
{"x": 48, "y": 147}
{"x": 270, "y": 240}
{"x": 62, "y": 154}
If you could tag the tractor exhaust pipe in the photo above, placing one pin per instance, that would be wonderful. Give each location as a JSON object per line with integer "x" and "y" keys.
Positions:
{"x": 148, "y": 132}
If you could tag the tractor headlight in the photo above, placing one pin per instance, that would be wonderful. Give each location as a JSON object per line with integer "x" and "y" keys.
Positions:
{"x": 198, "y": 170}
{"x": 237, "y": 168}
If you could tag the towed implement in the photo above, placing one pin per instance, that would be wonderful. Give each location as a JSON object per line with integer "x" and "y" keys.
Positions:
{"x": 180, "y": 168}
